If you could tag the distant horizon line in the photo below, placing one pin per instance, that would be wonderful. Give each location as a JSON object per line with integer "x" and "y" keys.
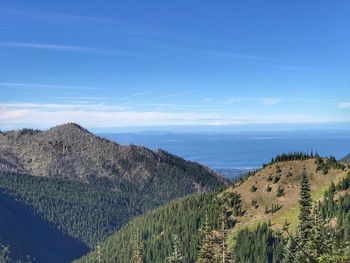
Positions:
{"x": 198, "y": 128}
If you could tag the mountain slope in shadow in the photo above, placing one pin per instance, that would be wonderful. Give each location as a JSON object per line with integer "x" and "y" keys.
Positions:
{"x": 26, "y": 233}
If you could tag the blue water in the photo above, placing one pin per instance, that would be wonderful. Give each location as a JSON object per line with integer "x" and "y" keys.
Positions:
{"x": 243, "y": 150}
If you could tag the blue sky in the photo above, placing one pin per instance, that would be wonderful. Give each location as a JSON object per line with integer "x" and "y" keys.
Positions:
{"x": 112, "y": 64}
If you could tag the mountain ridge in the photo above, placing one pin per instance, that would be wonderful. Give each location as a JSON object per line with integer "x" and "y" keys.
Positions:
{"x": 88, "y": 186}
{"x": 70, "y": 150}
{"x": 346, "y": 158}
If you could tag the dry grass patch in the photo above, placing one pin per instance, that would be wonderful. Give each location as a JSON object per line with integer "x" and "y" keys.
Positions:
{"x": 286, "y": 175}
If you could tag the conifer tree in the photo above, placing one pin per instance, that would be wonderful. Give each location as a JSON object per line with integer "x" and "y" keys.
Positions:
{"x": 206, "y": 250}
{"x": 223, "y": 254}
{"x": 317, "y": 239}
{"x": 4, "y": 254}
{"x": 137, "y": 250}
{"x": 305, "y": 219}
{"x": 99, "y": 258}
{"x": 176, "y": 256}
{"x": 289, "y": 254}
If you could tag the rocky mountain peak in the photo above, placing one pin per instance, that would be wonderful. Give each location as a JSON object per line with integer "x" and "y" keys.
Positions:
{"x": 72, "y": 152}
{"x": 69, "y": 128}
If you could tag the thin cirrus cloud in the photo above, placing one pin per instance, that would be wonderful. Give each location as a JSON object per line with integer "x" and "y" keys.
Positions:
{"x": 171, "y": 105}
{"x": 81, "y": 106}
{"x": 177, "y": 94}
{"x": 344, "y": 105}
{"x": 160, "y": 37}
{"x": 289, "y": 64}
{"x": 24, "y": 85}
{"x": 141, "y": 93}
{"x": 60, "y": 17}
{"x": 107, "y": 24}
{"x": 271, "y": 101}
{"x": 233, "y": 101}
{"x": 69, "y": 48}
{"x": 86, "y": 22}
{"x": 263, "y": 101}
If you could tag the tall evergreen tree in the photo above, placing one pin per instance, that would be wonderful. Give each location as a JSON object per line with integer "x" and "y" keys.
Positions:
{"x": 4, "y": 254}
{"x": 305, "y": 220}
{"x": 176, "y": 256}
{"x": 289, "y": 254}
{"x": 223, "y": 254}
{"x": 137, "y": 250}
{"x": 206, "y": 250}
{"x": 317, "y": 239}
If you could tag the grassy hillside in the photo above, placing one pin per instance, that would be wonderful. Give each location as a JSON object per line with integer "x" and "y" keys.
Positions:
{"x": 246, "y": 202}
{"x": 286, "y": 176}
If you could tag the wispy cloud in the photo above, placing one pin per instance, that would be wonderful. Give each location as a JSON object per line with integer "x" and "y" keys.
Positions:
{"x": 206, "y": 100}
{"x": 44, "y": 86}
{"x": 296, "y": 67}
{"x": 171, "y": 105}
{"x": 52, "y": 46}
{"x": 69, "y": 48}
{"x": 177, "y": 94}
{"x": 233, "y": 100}
{"x": 246, "y": 58}
{"x": 53, "y": 16}
{"x": 236, "y": 55}
{"x": 344, "y": 105}
{"x": 77, "y": 106}
{"x": 85, "y": 21}
{"x": 82, "y": 98}
{"x": 265, "y": 61}
{"x": 264, "y": 101}
{"x": 141, "y": 94}
{"x": 153, "y": 35}
{"x": 271, "y": 101}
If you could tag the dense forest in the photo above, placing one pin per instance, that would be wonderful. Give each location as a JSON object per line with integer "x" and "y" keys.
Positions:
{"x": 156, "y": 228}
{"x": 84, "y": 211}
{"x": 26, "y": 236}
{"x": 88, "y": 211}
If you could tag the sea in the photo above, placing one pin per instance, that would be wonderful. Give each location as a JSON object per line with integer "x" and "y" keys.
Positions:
{"x": 230, "y": 152}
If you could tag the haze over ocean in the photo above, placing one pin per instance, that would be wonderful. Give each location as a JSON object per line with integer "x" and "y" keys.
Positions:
{"x": 240, "y": 150}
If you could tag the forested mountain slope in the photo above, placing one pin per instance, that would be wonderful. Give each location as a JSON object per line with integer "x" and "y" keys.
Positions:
{"x": 257, "y": 211}
{"x": 27, "y": 234}
{"x": 84, "y": 211}
{"x": 87, "y": 186}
